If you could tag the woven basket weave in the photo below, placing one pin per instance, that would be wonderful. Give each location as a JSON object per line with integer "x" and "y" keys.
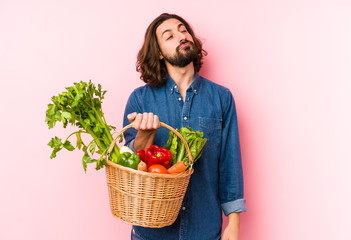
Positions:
{"x": 146, "y": 199}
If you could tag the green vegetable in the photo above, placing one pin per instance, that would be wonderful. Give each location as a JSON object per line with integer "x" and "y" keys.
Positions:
{"x": 80, "y": 106}
{"x": 193, "y": 138}
{"x": 130, "y": 160}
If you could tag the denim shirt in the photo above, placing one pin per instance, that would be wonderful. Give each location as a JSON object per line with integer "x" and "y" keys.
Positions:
{"x": 217, "y": 181}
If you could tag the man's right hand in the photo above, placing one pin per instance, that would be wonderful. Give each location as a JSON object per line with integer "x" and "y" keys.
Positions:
{"x": 147, "y": 125}
{"x": 144, "y": 121}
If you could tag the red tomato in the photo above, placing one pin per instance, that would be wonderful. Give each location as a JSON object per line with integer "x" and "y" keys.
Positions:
{"x": 157, "y": 168}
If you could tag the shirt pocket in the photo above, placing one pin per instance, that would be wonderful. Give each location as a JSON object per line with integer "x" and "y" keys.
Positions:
{"x": 212, "y": 129}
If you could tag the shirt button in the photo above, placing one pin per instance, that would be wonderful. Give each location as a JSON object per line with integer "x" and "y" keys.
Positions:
{"x": 175, "y": 86}
{"x": 184, "y": 208}
{"x": 185, "y": 118}
{"x": 179, "y": 99}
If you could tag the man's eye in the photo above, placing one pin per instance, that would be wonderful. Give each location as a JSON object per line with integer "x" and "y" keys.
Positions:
{"x": 183, "y": 29}
{"x": 169, "y": 37}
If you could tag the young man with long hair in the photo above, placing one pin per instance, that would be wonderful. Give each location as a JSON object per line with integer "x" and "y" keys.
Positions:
{"x": 175, "y": 93}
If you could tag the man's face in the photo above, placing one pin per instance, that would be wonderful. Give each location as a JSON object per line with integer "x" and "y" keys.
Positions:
{"x": 176, "y": 44}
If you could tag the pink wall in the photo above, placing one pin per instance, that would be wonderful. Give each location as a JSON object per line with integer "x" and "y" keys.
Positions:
{"x": 287, "y": 63}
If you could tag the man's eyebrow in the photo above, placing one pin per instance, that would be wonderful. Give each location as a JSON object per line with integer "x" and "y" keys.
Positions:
{"x": 168, "y": 30}
{"x": 180, "y": 25}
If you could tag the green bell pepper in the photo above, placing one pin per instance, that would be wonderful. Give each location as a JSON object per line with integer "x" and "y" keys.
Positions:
{"x": 130, "y": 160}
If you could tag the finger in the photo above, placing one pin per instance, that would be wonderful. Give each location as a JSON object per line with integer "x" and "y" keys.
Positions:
{"x": 131, "y": 117}
{"x": 137, "y": 121}
{"x": 145, "y": 118}
{"x": 150, "y": 121}
{"x": 156, "y": 122}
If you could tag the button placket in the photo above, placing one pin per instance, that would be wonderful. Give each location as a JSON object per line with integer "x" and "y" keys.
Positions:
{"x": 186, "y": 108}
{"x": 184, "y": 216}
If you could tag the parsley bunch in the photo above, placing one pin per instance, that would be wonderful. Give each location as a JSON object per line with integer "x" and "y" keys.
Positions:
{"x": 80, "y": 106}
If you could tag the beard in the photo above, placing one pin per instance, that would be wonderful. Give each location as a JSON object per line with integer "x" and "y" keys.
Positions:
{"x": 182, "y": 59}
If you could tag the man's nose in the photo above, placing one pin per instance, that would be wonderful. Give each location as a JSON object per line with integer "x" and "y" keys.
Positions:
{"x": 181, "y": 37}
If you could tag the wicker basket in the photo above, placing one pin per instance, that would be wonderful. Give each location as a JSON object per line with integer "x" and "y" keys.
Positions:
{"x": 146, "y": 199}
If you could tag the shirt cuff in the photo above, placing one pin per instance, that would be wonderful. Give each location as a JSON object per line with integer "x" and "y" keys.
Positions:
{"x": 238, "y": 205}
{"x": 131, "y": 145}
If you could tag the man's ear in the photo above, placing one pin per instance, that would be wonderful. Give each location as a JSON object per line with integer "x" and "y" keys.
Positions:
{"x": 160, "y": 55}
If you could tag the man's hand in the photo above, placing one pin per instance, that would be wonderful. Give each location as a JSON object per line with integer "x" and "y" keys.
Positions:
{"x": 145, "y": 121}
{"x": 147, "y": 125}
{"x": 231, "y": 232}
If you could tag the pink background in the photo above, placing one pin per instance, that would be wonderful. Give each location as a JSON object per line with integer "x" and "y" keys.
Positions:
{"x": 286, "y": 62}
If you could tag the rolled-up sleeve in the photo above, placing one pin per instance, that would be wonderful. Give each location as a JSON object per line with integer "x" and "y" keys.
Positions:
{"x": 238, "y": 205}
{"x": 231, "y": 184}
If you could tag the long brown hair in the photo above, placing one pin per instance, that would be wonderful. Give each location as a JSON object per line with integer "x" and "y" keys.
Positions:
{"x": 152, "y": 69}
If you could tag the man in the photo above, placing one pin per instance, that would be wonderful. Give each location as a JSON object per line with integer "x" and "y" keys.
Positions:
{"x": 176, "y": 94}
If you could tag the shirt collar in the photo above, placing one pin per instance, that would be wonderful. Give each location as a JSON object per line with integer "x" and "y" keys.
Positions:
{"x": 194, "y": 86}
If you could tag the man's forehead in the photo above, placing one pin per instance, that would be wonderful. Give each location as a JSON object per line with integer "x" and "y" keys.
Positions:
{"x": 168, "y": 24}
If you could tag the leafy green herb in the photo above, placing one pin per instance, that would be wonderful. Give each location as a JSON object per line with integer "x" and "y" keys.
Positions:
{"x": 194, "y": 139}
{"x": 80, "y": 106}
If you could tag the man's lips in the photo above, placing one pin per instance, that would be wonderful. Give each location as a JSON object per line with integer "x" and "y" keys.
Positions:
{"x": 184, "y": 45}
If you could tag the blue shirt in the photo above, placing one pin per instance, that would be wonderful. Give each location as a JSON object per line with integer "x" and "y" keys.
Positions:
{"x": 217, "y": 181}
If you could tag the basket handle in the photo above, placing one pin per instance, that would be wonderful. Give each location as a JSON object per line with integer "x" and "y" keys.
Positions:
{"x": 191, "y": 159}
